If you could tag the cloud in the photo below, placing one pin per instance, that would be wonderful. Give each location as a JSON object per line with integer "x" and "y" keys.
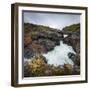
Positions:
{"x": 55, "y": 20}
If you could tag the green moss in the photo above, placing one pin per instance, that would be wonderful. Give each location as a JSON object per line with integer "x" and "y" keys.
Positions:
{"x": 72, "y": 28}
{"x": 28, "y": 28}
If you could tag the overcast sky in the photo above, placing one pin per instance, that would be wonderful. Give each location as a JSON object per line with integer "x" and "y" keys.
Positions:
{"x": 52, "y": 20}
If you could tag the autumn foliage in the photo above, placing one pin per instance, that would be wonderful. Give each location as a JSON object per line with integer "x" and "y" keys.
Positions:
{"x": 38, "y": 66}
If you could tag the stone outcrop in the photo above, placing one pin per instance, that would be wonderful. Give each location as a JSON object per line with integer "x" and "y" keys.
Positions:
{"x": 40, "y": 39}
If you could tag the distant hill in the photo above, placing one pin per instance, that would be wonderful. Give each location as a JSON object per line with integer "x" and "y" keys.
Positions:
{"x": 72, "y": 28}
{"x": 29, "y": 27}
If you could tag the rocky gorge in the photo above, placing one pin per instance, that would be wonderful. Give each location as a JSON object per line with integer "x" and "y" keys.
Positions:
{"x": 39, "y": 40}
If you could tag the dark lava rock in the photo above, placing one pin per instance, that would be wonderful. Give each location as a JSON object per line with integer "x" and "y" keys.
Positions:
{"x": 42, "y": 57}
{"x": 28, "y": 53}
{"x": 47, "y": 43}
{"x": 71, "y": 55}
{"x": 74, "y": 41}
{"x": 75, "y": 58}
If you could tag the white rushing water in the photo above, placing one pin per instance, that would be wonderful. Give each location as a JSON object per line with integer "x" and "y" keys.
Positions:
{"x": 59, "y": 55}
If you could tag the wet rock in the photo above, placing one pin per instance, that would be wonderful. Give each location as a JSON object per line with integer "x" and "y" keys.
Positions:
{"x": 71, "y": 55}
{"x": 28, "y": 53}
{"x": 42, "y": 57}
{"x": 74, "y": 41}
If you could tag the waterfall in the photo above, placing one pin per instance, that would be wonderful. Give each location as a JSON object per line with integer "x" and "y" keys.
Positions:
{"x": 59, "y": 55}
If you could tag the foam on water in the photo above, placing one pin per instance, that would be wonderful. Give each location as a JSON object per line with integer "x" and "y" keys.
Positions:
{"x": 59, "y": 56}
